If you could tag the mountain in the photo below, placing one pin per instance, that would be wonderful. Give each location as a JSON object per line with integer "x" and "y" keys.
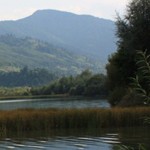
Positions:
{"x": 15, "y": 53}
{"x": 81, "y": 34}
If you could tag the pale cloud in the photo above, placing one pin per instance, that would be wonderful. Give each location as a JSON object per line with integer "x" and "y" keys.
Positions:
{"x": 17, "y": 14}
{"x": 100, "y": 8}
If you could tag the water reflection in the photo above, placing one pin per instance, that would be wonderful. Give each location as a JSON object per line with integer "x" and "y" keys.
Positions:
{"x": 106, "y": 139}
{"x": 53, "y": 103}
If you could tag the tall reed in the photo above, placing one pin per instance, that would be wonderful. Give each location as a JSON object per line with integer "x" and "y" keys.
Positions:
{"x": 48, "y": 119}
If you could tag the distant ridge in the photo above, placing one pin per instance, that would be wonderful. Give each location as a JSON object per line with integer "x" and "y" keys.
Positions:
{"x": 81, "y": 34}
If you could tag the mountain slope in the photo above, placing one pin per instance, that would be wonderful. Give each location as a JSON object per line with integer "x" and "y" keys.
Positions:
{"x": 15, "y": 53}
{"x": 81, "y": 34}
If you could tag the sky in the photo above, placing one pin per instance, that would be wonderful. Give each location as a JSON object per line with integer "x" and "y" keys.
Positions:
{"x": 16, "y": 9}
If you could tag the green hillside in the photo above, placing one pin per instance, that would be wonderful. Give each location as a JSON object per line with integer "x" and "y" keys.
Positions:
{"x": 15, "y": 53}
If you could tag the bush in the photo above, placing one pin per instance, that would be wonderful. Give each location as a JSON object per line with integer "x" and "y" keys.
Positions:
{"x": 116, "y": 95}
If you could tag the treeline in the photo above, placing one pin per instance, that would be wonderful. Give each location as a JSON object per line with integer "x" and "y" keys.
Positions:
{"x": 26, "y": 77}
{"x": 84, "y": 84}
{"x": 14, "y": 92}
{"x": 128, "y": 71}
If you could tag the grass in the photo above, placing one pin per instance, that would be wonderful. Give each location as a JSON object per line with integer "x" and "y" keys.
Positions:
{"x": 49, "y": 119}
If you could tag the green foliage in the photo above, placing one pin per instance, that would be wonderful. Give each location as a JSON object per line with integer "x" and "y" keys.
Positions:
{"x": 96, "y": 85}
{"x": 12, "y": 92}
{"x": 133, "y": 33}
{"x": 141, "y": 83}
{"x": 123, "y": 147}
{"x": 83, "y": 84}
{"x": 116, "y": 95}
{"x": 26, "y": 77}
{"x": 147, "y": 120}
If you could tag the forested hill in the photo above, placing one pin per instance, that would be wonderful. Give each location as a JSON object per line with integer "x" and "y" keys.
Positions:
{"x": 82, "y": 34}
{"x": 15, "y": 53}
{"x": 26, "y": 77}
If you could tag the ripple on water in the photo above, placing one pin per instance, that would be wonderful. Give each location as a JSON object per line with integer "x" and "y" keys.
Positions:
{"x": 63, "y": 143}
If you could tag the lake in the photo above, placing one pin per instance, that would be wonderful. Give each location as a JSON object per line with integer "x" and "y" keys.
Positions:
{"x": 54, "y": 103}
{"x": 93, "y": 139}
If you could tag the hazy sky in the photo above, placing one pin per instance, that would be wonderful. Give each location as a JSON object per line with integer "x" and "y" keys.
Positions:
{"x": 15, "y": 9}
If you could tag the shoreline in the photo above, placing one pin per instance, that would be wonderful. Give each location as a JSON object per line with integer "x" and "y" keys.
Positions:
{"x": 47, "y": 96}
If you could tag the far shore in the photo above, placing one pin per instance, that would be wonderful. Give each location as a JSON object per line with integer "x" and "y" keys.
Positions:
{"x": 48, "y": 96}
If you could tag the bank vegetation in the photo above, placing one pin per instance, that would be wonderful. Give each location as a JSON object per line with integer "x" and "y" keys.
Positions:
{"x": 49, "y": 119}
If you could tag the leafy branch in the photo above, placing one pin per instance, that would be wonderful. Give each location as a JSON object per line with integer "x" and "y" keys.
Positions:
{"x": 143, "y": 64}
{"x": 123, "y": 147}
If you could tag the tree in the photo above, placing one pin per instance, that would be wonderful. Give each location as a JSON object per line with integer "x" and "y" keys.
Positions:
{"x": 95, "y": 85}
{"x": 133, "y": 32}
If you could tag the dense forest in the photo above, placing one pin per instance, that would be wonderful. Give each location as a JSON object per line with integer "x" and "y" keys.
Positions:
{"x": 41, "y": 82}
{"x": 84, "y": 84}
{"x": 26, "y": 77}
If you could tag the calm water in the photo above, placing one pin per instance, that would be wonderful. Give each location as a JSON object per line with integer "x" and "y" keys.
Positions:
{"x": 53, "y": 103}
{"x": 78, "y": 140}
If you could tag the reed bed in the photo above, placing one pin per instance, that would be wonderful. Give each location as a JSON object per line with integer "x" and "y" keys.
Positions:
{"x": 48, "y": 119}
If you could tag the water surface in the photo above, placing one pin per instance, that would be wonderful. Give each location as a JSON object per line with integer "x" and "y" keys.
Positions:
{"x": 54, "y": 103}
{"x": 96, "y": 139}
